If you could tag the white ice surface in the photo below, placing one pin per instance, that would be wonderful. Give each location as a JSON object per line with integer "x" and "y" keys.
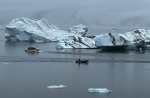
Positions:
{"x": 56, "y": 86}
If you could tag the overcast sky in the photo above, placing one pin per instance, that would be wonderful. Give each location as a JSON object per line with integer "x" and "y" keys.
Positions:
{"x": 73, "y": 3}
{"x": 94, "y": 13}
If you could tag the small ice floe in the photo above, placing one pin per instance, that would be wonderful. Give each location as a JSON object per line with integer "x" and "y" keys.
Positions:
{"x": 99, "y": 90}
{"x": 57, "y": 86}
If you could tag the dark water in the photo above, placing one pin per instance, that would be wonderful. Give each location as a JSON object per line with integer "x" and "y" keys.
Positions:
{"x": 29, "y": 79}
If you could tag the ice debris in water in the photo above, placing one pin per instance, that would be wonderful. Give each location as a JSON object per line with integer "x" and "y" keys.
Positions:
{"x": 99, "y": 90}
{"x": 56, "y": 86}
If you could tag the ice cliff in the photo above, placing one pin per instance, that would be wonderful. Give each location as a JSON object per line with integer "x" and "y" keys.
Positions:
{"x": 24, "y": 29}
{"x": 127, "y": 38}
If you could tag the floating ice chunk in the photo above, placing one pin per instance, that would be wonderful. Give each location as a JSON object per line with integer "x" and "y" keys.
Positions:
{"x": 99, "y": 90}
{"x": 56, "y": 86}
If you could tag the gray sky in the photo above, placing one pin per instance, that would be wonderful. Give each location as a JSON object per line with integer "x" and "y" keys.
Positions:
{"x": 73, "y": 3}
{"x": 97, "y": 14}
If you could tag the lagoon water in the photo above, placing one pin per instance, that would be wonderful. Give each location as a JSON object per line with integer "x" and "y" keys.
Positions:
{"x": 29, "y": 78}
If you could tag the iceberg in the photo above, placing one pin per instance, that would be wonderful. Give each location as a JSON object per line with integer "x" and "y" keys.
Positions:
{"x": 99, "y": 90}
{"x": 118, "y": 39}
{"x": 57, "y": 86}
{"x": 24, "y": 29}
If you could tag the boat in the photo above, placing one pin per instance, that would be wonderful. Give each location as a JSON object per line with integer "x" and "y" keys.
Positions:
{"x": 81, "y": 61}
{"x": 32, "y": 50}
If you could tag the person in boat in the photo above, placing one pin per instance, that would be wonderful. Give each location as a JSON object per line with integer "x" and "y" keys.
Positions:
{"x": 81, "y": 61}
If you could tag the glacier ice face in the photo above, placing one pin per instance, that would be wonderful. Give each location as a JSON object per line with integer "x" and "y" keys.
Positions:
{"x": 128, "y": 38}
{"x": 79, "y": 29}
{"x": 77, "y": 42}
{"x": 24, "y": 29}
